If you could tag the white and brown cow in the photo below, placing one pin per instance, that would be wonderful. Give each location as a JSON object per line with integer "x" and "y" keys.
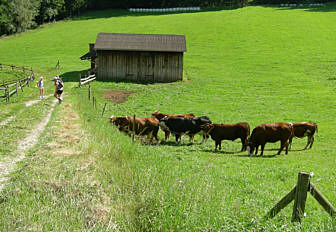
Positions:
{"x": 142, "y": 126}
{"x": 303, "y": 129}
{"x": 158, "y": 115}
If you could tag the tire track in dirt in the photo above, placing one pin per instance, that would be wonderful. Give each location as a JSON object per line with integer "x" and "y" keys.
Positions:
{"x": 28, "y": 103}
{"x": 32, "y": 102}
{"x": 7, "y": 165}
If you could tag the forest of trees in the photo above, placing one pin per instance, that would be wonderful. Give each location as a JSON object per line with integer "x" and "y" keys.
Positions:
{"x": 20, "y": 15}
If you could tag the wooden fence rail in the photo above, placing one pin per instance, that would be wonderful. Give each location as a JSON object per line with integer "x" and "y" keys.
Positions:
{"x": 10, "y": 89}
{"x": 87, "y": 78}
{"x": 299, "y": 195}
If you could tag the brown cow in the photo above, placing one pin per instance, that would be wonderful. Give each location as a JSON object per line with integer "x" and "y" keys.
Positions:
{"x": 142, "y": 126}
{"x": 270, "y": 132}
{"x": 158, "y": 115}
{"x": 302, "y": 129}
{"x": 219, "y": 132}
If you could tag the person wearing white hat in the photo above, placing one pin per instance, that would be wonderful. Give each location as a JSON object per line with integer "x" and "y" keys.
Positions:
{"x": 59, "y": 88}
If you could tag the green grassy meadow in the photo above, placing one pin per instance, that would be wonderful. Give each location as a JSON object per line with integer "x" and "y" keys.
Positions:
{"x": 254, "y": 64}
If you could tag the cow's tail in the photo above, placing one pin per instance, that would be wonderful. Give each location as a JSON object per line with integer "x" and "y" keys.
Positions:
{"x": 317, "y": 134}
{"x": 292, "y": 135}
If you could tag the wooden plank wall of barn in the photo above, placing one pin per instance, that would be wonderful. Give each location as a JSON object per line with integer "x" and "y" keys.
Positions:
{"x": 140, "y": 66}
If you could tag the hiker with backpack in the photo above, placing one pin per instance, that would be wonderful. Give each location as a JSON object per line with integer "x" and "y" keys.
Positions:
{"x": 58, "y": 89}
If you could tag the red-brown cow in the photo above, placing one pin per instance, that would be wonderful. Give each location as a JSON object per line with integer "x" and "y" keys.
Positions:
{"x": 160, "y": 116}
{"x": 302, "y": 129}
{"x": 270, "y": 132}
{"x": 142, "y": 126}
{"x": 219, "y": 132}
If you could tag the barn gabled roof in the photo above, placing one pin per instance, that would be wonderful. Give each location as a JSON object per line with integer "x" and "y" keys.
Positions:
{"x": 140, "y": 42}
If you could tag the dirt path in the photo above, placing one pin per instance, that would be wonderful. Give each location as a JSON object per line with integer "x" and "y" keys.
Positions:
{"x": 8, "y": 120}
{"x": 32, "y": 102}
{"x": 7, "y": 165}
{"x": 28, "y": 103}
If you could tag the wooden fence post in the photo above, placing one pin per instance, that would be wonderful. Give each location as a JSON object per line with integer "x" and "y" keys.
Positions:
{"x": 300, "y": 196}
{"x": 16, "y": 89}
{"x": 7, "y": 93}
{"x": 93, "y": 101}
{"x": 21, "y": 85}
{"x": 104, "y": 109}
{"x": 80, "y": 81}
{"x": 133, "y": 127}
{"x": 89, "y": 92}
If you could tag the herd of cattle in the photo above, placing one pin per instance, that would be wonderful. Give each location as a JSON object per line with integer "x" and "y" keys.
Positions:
{"x": 188, "y": 124}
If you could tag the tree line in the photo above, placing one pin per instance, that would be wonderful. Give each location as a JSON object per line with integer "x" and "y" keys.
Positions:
{"x": 19, "y": 15}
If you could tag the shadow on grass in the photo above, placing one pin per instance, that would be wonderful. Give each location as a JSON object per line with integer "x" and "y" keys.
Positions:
{"x": 174, "y": 144}
{"x": 221, "y": 151}
{"x": 73, "y": 76}
{"x": 258, "y": 156}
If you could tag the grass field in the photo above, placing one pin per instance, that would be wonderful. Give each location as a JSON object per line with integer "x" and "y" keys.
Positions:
{"x": 255, "y": 64}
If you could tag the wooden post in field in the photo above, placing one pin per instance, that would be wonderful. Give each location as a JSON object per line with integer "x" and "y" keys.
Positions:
{"x": 104, "y": 109}
{"x": 1, "y": 66}
{"x": 21, "y": 87}
{"x": 133, "y": 128}
{"x": 58, "y": 64}
{"x": 7, "y": 93}
{"x": 93, "y": 101}
{"x": 322, "y": 200}
{"x": 80, "y": 81}
{"x": 300, "y": 196}
{"x": 16, "y": 86}
{"x": 89, "y": 92}
{"x": 23, "y": 69}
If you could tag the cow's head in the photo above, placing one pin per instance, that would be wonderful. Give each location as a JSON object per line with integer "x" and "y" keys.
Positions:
{"x": 158, "y": 115}
{"x": 162, "y": 122}
{"x": 112, "y": 119}
{"x": 207, "y": 127}
{"x": 155, "y": 113}
{"x": 250, "y": 146}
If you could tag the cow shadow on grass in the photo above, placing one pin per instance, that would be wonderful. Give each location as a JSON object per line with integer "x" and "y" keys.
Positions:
{"x": 258, "y": 156}
{"x": 277, "y": 149}
{"x": 221, "y": 151}
{"x": 174, "y": 144}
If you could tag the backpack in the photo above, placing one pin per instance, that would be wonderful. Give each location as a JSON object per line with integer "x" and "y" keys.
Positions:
{"x": 59, "y": 84}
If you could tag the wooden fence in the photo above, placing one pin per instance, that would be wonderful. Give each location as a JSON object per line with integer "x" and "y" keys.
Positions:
{"x": 87, "y": 78}
{"x": 11, "y": 87}
{"x": 299, "y": 195}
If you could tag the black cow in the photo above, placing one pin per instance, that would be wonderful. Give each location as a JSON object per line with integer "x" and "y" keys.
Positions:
{"x": 180, "y": 126}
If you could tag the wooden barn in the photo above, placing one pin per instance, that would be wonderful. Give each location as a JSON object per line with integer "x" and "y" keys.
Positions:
{"x": 139, "y": 57}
